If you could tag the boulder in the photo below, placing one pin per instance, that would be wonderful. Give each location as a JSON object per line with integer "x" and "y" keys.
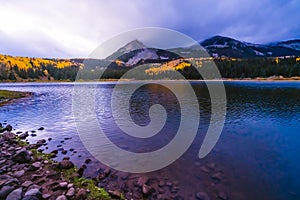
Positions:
{"x": 81, "y": 194}
{"x": 22, "y": 156}
{"x": 23, "y": 136}
{"x": 33, "y": 194}
{"x": 66, "y": 164}
{"x": 5, "y": 190}
{"x": 8, "y": 135}
{"x": 15, "y": 195}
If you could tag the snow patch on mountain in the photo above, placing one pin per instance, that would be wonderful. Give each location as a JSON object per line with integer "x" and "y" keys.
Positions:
{"x": 142, "y": 55}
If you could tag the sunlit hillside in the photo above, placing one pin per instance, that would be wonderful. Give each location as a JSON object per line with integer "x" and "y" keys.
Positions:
{"x": 18, "y": 68}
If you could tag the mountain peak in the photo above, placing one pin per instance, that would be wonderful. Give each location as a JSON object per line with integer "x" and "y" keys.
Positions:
{"x": 133, "y": 45}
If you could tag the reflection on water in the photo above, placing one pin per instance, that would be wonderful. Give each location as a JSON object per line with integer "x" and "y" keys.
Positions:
{"x": 257, "y": 154}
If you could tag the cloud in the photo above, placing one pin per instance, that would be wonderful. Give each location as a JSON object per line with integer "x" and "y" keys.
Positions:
{"x": 74, "y": 28}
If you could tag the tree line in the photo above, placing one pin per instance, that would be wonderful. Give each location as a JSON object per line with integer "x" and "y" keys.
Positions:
{"x": 228, "y": 68}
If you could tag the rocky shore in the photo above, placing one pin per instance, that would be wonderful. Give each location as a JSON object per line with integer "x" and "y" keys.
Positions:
{"x": 27, "y": 174}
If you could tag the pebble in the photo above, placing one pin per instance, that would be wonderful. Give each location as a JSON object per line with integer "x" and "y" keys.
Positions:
{"x": 222, "y": 195}
{"x": 61, "y": 197}
{"x": 217, "y": 176}
{"x": 35, "y": 166}
{"x": 142, "y": 181}
{"x": 146, "y": 189}
{"x": 115, "y": 193}
{"x": 46, "y": 196}
{"x": 81, "y": 194}
{"x": 18, "y": 174}
{"x": 63, "y": 184}
{"x": 161, "y": 183}
{"x": 26, "y": 184}
{"x": 64, "y": 152}
{"x": 202, "y": 196}
{"x": 71, "y": 192}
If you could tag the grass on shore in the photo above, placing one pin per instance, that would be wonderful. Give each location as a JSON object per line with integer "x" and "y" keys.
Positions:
{"x": 96, "y": 193}
{"x": 6, "y": 96}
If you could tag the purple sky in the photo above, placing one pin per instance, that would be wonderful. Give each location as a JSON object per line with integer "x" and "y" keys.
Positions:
{"x": 74, "y": 28}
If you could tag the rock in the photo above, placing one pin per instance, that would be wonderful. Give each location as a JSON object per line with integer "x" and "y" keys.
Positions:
{"x": 169, "y": 184}
{"x": 66, "y": 164}
{"x": 87, "y": 161}
{"x": 18, "y": 174}
{"x": 12, "y": 182}
{"x": 66, "y": 158}
{"x": 161, "y": 183}
{"x": 211, "y": 166}
{"x": 81, "y": 194}
{"x": 41, "y": 142}
{"x": 115, "y": 193}
{"x": 75, "y": 175}
{"x": 217, "y": 176}
{"x": 23, "y": 136}
{"x": 222, "y": 195}
{"x": 142, "y": 181}
{"x": 54, "y": 151}
{"x": 5, "y": 190}
{"x": 22, "y": 156}
{"x": 15, "y": 195}
{"x": 2, "y": 161}
{"x": 63, "y": 185}
{"x": 202, "y": 196}
{"x": 61, "y": 197}
{"x": 33, "y": 134}
{"x": 71, "y": 192}
{"x": 35, "y": 166}
{"x": 33, "y": 194}
{"x": 205, "y": 169}
{"x": 107, "y": 171}
{"x": 146, "y": 189}
{"x": 26, "y": 184}
{"x": 80, "y": 171}
{"x": 8, "y": 128}
{"x": 8, "y": 135}
{"x": 64, "y": 152}
{"x": 46, "y": 196}
{"x": 41, "y": 128}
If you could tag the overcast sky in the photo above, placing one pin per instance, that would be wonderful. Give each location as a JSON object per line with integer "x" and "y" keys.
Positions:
{"x": 73, "y": 28}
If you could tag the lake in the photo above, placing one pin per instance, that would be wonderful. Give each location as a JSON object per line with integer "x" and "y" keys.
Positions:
{"x": 256, "y": 157}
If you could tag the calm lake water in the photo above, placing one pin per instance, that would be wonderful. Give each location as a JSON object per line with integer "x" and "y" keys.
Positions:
{"x": 258, "y": 154}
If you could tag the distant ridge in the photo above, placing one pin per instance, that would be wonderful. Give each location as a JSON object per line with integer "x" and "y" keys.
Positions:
{"x": 220, "y": 46}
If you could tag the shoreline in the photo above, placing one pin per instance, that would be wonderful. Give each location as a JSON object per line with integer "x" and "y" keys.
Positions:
{"x": 27, "y": 173}
{"x": 149, "y": 80}
{"x": 7, "y": 96}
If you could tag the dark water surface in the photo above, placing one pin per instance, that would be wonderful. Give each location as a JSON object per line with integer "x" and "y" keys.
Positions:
{"x": 258, "y": 154}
